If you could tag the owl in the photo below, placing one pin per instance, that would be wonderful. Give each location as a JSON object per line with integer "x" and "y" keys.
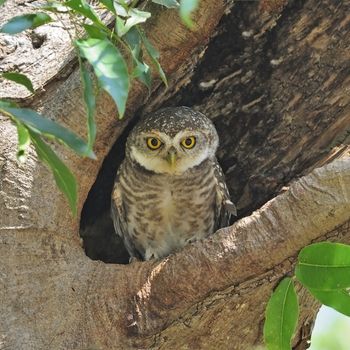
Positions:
{"x": 170, "y": 189}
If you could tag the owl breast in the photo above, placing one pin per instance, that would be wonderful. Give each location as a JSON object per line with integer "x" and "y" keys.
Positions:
{"x": 172, "y": 210}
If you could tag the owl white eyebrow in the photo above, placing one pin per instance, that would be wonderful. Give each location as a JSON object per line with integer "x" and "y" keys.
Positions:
{"x": 184, "y": 134}
{"x": 147, "y": 136}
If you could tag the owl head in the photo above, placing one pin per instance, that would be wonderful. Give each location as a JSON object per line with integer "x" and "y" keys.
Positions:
{"x": 172, "y": 140}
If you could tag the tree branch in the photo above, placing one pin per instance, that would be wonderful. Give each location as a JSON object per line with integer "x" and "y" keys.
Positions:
{"x": 216, "y": 290}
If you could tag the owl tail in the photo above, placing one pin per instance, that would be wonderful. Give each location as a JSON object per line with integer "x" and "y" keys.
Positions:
{"x": 230, "y": 207}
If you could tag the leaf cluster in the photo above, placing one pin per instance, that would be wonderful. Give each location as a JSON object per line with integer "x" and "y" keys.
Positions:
{"x": 116, "y": 56}
{"x": 324, "y": 270}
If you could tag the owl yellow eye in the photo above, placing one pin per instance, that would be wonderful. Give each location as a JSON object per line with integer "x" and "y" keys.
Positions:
{"x": 153, "y": 143}
{"x": 188, "y": 142}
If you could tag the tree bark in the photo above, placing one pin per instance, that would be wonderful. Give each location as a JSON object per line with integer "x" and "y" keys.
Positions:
{"x": 277, "y": 87}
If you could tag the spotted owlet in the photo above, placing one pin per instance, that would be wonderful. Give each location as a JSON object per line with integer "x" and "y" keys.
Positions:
{"x": 169, "y": 190}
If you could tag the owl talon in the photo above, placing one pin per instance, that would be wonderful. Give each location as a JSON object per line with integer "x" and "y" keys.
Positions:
{"x": 191, "y": 240}
{"x": 133, "y": 259}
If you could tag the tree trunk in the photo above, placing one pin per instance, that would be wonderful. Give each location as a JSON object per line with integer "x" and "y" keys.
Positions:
{"x": 277, "y": 86}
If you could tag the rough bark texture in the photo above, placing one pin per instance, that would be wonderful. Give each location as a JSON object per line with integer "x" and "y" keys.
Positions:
{"x": 277, "y": 87}
{"x": 278, "y": 93}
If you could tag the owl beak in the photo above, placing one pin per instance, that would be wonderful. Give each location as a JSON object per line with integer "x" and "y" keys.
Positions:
{"x": 171, "y": 157}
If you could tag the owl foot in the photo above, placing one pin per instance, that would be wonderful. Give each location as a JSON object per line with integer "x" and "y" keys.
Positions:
{"x": 192, "y": 240}
{"x": 133, "y": 259}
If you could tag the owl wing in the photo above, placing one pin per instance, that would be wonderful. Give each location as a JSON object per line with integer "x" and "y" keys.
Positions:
{"x": 118, "y": 214}
{"x": 224, "y": 208}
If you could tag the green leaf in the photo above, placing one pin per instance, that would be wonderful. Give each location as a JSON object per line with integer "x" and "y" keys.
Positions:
{"x": 83, "y": 8}
{"x": 186, "y": 9}
{"x": 281, "y": 319}
{"x": 133, "y": 40}
{"x": 135, "y": 17}
{"x": 337, "y": 299}
{"x": 7, "y": 104}
{"x": 141, "y": 70}
{"x": 65, "y": 180}
{"x": 121, "y": 8}
{"x": 154, "y": 55}
{"x": 23, "y": 142}
{"x": 108, "y": 4}
{"x": 54, "y": 7}
{"x": 324, "y": 266}
{"x": 19, "y": 79}
{"x": 171, "y": 4}
{"x": 20, "y": 23}
{"x": 120, "y": 26}
{"x": 110, "y": 68}
{"x": 94, "y": 32}
{"x": 90, "y": 103}
{"x": 2, "y": 2}
{"x": 41, "y": 125}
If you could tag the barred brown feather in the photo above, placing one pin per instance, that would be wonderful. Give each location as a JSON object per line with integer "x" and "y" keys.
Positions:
{"x": 158, "y": 207}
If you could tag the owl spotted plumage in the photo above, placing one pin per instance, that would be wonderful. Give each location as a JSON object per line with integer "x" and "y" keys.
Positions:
{"x": 169, "y": 190}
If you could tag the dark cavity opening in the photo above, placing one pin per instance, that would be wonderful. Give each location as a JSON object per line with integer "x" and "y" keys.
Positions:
{"x": 37, "y": 39}
{"x": 100, "y": 241}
